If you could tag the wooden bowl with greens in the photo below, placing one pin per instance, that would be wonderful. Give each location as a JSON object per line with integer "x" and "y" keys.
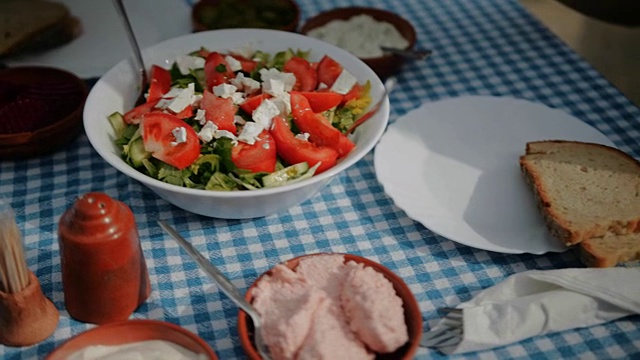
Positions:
{"x": 260, "y": 14}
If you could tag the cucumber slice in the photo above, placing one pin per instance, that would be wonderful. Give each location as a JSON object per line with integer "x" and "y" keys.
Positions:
{"x": 117, "y": 122}
{"x": 287, "y": 175}
{"x": 137, "y": 152}
{"x": 201, "y": 79}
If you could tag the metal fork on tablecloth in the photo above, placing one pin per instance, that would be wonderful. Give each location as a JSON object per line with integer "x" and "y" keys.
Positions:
{"x": 447, "y": 332}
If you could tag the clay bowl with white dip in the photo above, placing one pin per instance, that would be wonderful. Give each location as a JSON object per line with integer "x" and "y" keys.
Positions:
{"x": 361, "y": 31}
{"x": 146, "y": 338}
{"x": 369, "y": 310}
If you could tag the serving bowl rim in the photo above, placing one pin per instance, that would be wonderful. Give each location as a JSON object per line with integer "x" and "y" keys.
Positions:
{"x": 68, "y": 346}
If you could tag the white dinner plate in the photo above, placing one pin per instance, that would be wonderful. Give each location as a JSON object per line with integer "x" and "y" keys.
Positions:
{"x": 452, "y": 165}
{"x": 103, "y": 42}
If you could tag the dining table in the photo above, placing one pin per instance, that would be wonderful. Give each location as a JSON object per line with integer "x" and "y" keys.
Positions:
{"x": 480, "y": 47}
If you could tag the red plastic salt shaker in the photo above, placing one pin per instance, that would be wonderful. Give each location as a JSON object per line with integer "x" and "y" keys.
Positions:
{"x": 104, "y": 274}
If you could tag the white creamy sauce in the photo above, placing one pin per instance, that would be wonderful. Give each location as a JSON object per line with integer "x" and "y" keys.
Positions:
{"x": 361, "y": 35}
{"x": 147, "y": 350}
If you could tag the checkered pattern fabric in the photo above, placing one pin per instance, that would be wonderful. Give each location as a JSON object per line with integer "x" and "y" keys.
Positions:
{"x": 490, "y": 47}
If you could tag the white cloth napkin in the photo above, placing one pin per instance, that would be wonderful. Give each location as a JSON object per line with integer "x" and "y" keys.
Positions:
{"x": 538, "y": 302}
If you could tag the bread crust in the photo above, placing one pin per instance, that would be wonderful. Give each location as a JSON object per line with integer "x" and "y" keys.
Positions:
{"x": 610, "y": 251}
{"x": 557, "y": 225}
{"x": 35, "y": 25}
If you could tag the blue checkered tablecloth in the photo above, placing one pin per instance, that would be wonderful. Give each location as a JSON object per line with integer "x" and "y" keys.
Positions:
{"x": 490, "y": 47}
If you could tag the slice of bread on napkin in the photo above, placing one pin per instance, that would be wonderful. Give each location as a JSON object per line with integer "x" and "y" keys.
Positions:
{"x": 587, "y": 193}
{"x": 28, "y": 26}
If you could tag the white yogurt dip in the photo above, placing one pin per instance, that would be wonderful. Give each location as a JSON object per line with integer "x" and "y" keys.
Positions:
{"x": 361, "y": 35}
{"x": 143, "y": 350}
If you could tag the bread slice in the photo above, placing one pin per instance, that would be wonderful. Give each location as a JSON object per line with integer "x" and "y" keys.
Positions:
{"x": 610, "y": 250}
{"x": 584, "y": 190}
{"x": 28, "y": 26}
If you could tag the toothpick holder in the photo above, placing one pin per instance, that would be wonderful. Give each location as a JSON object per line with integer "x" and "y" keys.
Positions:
{"x": 26, "y": 317}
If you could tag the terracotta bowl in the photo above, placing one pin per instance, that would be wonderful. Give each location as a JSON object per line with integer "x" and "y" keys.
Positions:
{"x": 385, "y": 65}
{"x": 412, "y": 314}
{"x": 40, "y": 110}
{"x": 133, "y": 331}
{"x": 266, "y": 14}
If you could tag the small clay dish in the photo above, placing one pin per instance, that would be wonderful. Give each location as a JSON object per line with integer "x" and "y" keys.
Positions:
{"x": 262, "y": 14}
{"x": 384, "y": 65}
{"x": 40, "y": 110}
{"x": 130, "y": 331}
{"x": 412, "y": 314}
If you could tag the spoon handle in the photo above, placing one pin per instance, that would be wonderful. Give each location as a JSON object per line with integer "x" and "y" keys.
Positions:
{"x": 137, "y": 55}
{"x": 410, "y": 54}
{"x": 225, "y": 285}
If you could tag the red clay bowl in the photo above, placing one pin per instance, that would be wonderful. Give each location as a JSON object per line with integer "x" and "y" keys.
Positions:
{"x": 385, "y": 65}
{"x": 133, "y": 331}
{"x": 264, "y": 14}
{"x": 412, "y": 314}
{"x": 40, "y": 110}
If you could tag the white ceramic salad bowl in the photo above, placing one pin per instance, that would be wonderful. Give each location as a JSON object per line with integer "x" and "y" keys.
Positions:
{"x": 118, "y": 88}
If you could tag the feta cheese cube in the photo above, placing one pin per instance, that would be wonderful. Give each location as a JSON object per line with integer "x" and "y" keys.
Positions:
{"x": 200, "y": 116}
{"x": 224, "y": 133}
{"x": 173, "y": 92}
{"x": 187, "y": 62}
{"x": 275, "y": 82}
{"x": 265, "y": 112}
{"x": 283, "y": 102}
{"x": 303, "y": 136}
{"x": 246, "y": 84}
{"x": 183, "y": 100}
{"x": 245, "y": 51}
{"x": 237, "y": 98}
{"x": 250, "y": 132}
{"x": 234, "y": 64}
{"x": 196, "y": 99}
{"x": 207, "y": 131}
{"x": 224, "y": 90}
{"x": 344, "y": 82}
{"x": 180, "y": 133}
{"x": 163, "y": 103}
{"x": 237, "y": 119}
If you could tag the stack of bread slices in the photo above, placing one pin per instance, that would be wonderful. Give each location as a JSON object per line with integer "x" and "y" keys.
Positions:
{"x": 589, "y": 197}
{"x": 31, "y": 26}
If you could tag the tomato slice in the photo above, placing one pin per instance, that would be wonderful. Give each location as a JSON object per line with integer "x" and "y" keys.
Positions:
{"x": 251, "y": 103}
{"x": 134, "y": 116}
{"x": 321, "y": 132}
{"x": 187, "y": 112}
{"x": 157, "y": 136}
{"x": 216, "y": 70}
{"x": 328, "y": 70}
{"x": 306, "y": 77}
{"x": 294, "y": 150}
{"x": 322, "y": 100}
{"x": 203, "y": 52}
{"x": 219, "y": 111}
{"x": 259, "y": 157}
{"x": 160, "y": 83}
{"x": 247, "y": 64}
{"x": 354, "y": 93}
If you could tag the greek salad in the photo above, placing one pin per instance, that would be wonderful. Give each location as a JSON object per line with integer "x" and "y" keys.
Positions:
{"x": 242, "y": 121}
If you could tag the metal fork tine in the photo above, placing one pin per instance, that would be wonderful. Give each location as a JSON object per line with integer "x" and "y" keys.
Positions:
{"x": 454, "y": 316}
{"x": 443, "y": 336}
{"x": 451, "y": 310}
{"x": 447, "y": 332}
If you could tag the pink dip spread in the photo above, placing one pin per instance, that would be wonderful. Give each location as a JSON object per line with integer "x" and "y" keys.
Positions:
{"x": 327, "y": 309}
